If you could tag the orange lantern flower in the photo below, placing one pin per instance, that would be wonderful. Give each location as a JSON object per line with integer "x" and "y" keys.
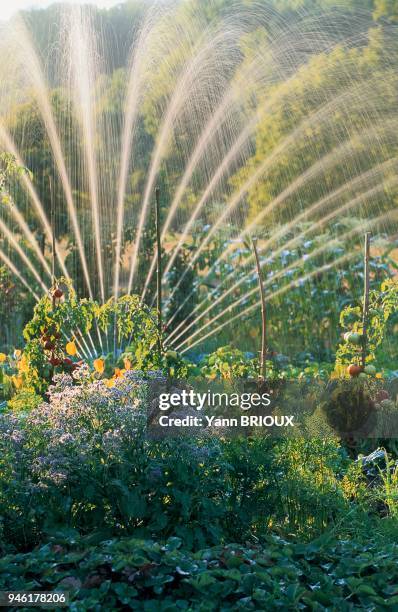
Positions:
{"x": 71, "y": 348}
{"x": 99, "y": 365}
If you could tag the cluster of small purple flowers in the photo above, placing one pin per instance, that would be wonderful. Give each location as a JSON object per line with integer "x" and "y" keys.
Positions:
{"x": 78, "y": 425}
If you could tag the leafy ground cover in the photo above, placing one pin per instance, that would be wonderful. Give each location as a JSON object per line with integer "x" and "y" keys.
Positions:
{"x": 326, "y": 574}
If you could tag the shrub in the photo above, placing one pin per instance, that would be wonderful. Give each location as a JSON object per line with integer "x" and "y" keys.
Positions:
{"x": 64, "y": 457}
{"x": 83, "y": 461}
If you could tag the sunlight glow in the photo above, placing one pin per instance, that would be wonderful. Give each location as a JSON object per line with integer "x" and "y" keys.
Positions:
{"x": 8, "y": 9}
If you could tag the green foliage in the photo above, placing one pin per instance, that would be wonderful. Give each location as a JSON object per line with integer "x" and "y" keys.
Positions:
{"x": 5, "y": 380}
{"x": 87, "y": 465}
{"x": 134, "y": 324}
{"x": 9, "y": 169}
{"x": 388, "y": 492}
{"x": 24, "y": 400}
{"x": 175, "y": 366}
{"x": 305, "y": 292}
{"x": 86, "y": 462}
{"x": 386, "y": 9}
{"x": 149, "y": 575}
{"x": 229, "y": 363}
{"x": 383, "y": 303}
{"x": 54, "y": 322}
{"x": 100, "y": 492}
{"x": 16, "y": 305}
{"x": 125, "y": 322}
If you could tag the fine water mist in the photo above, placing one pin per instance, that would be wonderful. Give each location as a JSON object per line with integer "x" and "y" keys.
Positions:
{"x": 251, "y": 123}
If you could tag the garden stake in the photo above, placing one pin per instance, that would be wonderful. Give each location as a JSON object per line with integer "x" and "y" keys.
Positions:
{"x": 263, "y": 314}
{"x": 159, "y": 270}
{"x": 52, "y": 215}
{"x": 42, "y": 243}
{"x": 365, "y": 312}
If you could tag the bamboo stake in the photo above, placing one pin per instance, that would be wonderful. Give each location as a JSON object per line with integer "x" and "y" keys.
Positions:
{"x": 263, "y": 314}
{"x": 365, "y": 311}
{"x": 158, "y": 270}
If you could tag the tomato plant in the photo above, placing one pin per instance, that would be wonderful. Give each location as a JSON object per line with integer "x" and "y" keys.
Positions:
{"x": 133, "y": 328}
{"x": 56, "y": 319}
{"x": 383, "y": 303}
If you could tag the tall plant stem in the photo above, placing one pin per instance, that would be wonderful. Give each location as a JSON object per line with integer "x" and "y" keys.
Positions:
{"x": 158, "y": 270}
{"x": 263, "y": 353}
{"x": 365, "y": 311}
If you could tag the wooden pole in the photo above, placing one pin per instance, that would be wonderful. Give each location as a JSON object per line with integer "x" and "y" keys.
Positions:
{"x": 43, "y": 250}
{"x": 365, "y": 311}
{"x": 52, "y": 215}
{"x": 263, "y": 353}
{"x": 159, "y": 269}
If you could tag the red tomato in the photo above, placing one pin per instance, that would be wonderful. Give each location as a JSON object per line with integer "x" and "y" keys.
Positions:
{"x": 354, "y": 370}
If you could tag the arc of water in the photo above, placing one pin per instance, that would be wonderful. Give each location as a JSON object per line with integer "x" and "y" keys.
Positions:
{"x": 254, "y": 306}
{"x": 279, "y": 198}
{"x": 86, "y": 345}
{"x": 29, "y": 236}
{"x": 293, "y": 283}
{"x": 252, "y": 180}
{"x": 135, "y": 82}
{"x": 92, "y": 341}
{"x": 189, "y": 75}
{"x": 322, "y": 164}
{"x": 84, "y": 87}
{"x": 12, "y": 240}
{"x": 320, "y": 114}
{"x": 35, "y": 75}
{"x": 17, "y": 273}
{"x": 226, "y": 163}
{"x": 228, "y": 160}
{"x": 368, "y": 195}
{"x": 254, "y": 71}
{"x": 209, "y": 131}
{"x": 31, "y": 191}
